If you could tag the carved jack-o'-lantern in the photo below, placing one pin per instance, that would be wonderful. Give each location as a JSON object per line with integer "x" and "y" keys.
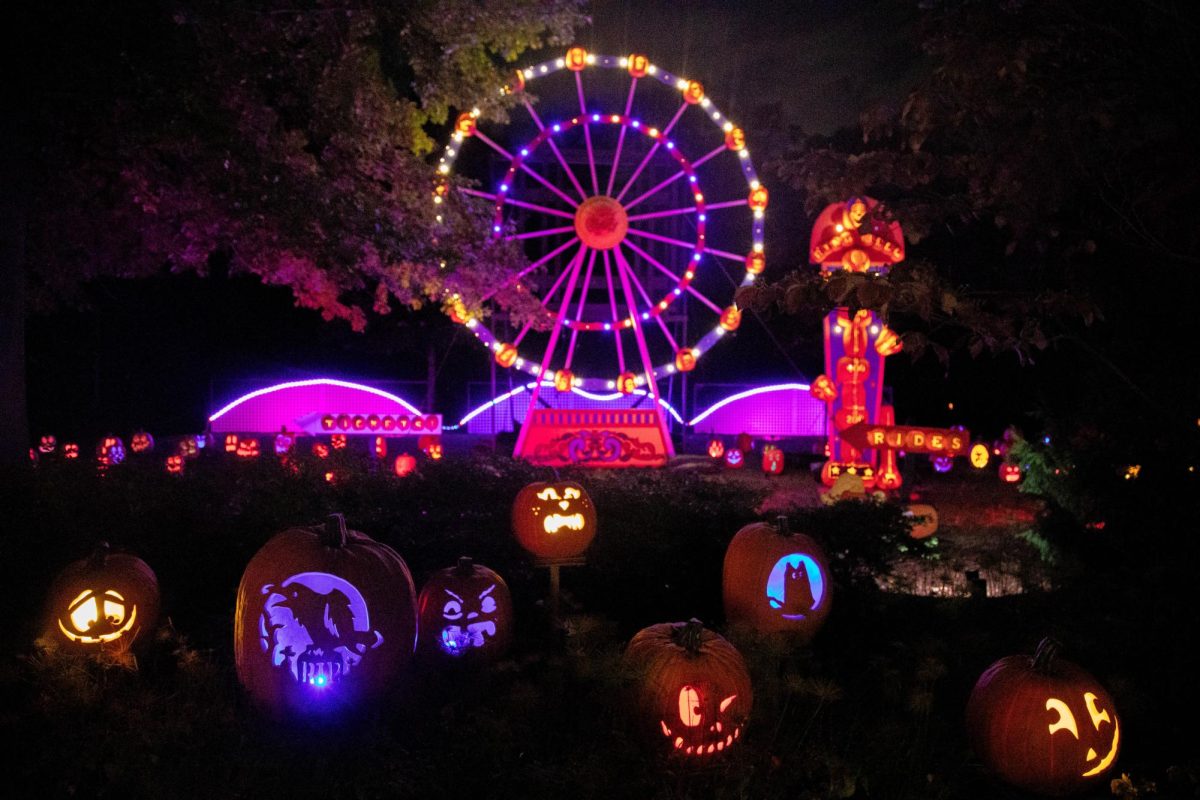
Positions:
{"x": 325, "y": 619}
{"x": 694, "y": 92}
{"x": 693, "y": 691}
{"x": 47, "y": 444}
{"x": 404, "y": 465}
{"x": 175, "y": 464}
{"x": 979, "y": 455}
{"x": 776, "y": 581}
{"x": 1010, "y": 473}
{"x": 924, "y": 520}
{"x": 431, "y": 445}
{"x": 338, "y": 441}
{"x": 71, "y": 450}
{"x": 110, "y": 451}
{"x": 576, "y": 59}
{"x": 466, "y": 612}
{"x": 141, "y": 442}
{"x": 320, "y": 450}
{"x": 187, "y": 447}
{"x": 685, "y": 359}
{"x": 380, "y": 447}
{"x": 735, "y": 139}
{"x": 716, "y": 448}
{"x": 734, "y": 458}
{"x": 626, "y": 383}
{"x": 554, "y": 520}
{"x": 731, "y": 318}
{"x": 772, "y": 460}
{"x": 247, "y": 448}
{"x": 638, "y": 65}
{"x": 231, "y": 442}
{"x": 564, "y": 380}
{"x": 284, "y": 442}
{"x": 943, "y": 463}
{"x": 758, "y": 198}
{"x": 756, "y": 262}
{"x": 465, "y": 124}
{"x": 506, "y": 356}
{"x": 1043, "y": 723}
{"x": 104, "y": 601}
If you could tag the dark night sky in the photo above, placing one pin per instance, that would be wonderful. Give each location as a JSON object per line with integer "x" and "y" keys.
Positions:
{"x": 159, "y": 354}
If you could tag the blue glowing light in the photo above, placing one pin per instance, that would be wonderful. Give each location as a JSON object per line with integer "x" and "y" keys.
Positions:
{"x": 795, "y": 586}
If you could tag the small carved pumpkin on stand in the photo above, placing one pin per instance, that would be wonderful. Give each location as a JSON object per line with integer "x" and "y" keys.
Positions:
{"x": 466, "y": 613}
{"x": 554, "y": 519}
{"x": 326, "y": 617}
{"x": 692, "y": 689}
{"x": 102, "y": 602}
{"x": 776, "y": 581}
{"x": 1043, "y": 723}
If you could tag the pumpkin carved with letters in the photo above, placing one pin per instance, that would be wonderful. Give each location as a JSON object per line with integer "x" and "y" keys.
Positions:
{"x": 692, "y": 688}
{"x": 325, "y": 619}
{"x": 1043, "y": 724}
{"x": 466, "y": 612}
{"x": 104, "y": 601}
{"x": 776, "y": 581}
{"x": 554, "y": 520}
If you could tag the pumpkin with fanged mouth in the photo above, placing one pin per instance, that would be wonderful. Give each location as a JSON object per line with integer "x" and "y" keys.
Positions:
{"x": 692, "y": 687}
{"x": 554, "y": 520}
{"x": 1043, "y": 724}
{"x": 104, "y": 601}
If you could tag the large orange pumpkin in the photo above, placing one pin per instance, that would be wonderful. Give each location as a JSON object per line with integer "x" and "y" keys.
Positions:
{"x": 466, "y": 612}
{"x": 554, "y": 520}
{"x": 1043, "y": 723}
{"x": 692, "y": 688}
{"x": 774, "y": 581}
{"x": 102, "y": 602}
{"x": 325, "y": 619}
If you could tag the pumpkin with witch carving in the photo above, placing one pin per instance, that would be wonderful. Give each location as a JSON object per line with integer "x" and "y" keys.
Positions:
{"x": 326, "y": 617}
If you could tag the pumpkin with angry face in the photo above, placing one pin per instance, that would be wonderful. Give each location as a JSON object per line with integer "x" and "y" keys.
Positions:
{"x": 104, "y": 601}
{"x": 1042, "y": 723}
{"x": 692, "y": 688}
{"x": 554, "y": 520}
{"x": 465, "y": 612}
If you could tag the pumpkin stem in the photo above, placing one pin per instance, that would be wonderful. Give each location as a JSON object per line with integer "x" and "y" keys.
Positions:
{"x": 99, "y": 555}
{"x": 687, "y": 635}
{"x": 465, "y": 566}
{"x": 334, "y": 533}
{"x": 1045, "y": 653}
{"x": 781, "y": 525}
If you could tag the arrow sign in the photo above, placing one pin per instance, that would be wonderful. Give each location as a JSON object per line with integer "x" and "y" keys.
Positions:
{"x": 864, "y": 436}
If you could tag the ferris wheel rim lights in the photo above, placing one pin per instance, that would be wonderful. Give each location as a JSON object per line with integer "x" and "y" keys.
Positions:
{"x": 577, "y": 60}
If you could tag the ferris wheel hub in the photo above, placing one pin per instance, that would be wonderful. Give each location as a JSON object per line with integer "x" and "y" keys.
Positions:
{"x": 601, "y": 222}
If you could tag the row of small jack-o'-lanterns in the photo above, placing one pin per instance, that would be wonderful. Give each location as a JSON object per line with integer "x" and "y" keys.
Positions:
{"x": 111, "y": 451}
{"x": 326, "y": 617}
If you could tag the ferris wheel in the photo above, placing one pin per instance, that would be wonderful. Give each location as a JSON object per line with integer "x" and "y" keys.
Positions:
{"x": 639, "y": 209}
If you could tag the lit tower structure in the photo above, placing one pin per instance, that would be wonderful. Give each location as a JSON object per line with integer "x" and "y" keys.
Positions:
{"x": 856, "y": 236}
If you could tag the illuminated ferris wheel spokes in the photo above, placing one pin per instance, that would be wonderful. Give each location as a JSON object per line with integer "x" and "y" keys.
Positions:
{"x": 592, "y": 243}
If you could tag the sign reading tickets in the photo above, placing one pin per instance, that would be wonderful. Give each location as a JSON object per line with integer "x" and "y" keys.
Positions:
{"x": 864, "y": 436}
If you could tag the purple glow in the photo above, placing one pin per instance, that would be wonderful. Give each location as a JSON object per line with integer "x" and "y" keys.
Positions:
{"x": 299, "y": 405}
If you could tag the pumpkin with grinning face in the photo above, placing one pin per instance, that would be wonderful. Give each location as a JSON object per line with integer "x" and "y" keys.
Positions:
{"x": 693, "y": 690}
{"x": 1043, "y": 723}
{"x": 104, "y": 601}
{"x": 465, "y": 612}
{"x": 554, "y": 520}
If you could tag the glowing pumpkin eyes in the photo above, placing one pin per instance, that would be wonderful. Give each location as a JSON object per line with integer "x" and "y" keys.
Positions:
{"x": 1066, "y": 720}
{"x": 689, "y": 706}
{"x": 727, "y": 702}
{"x": 548, "y": 494}
{"x": 488, "y": 606}
{"x": 1089, "y": 700}
{"x": 452, "y": 609}
{"x": 571, "y": 494}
